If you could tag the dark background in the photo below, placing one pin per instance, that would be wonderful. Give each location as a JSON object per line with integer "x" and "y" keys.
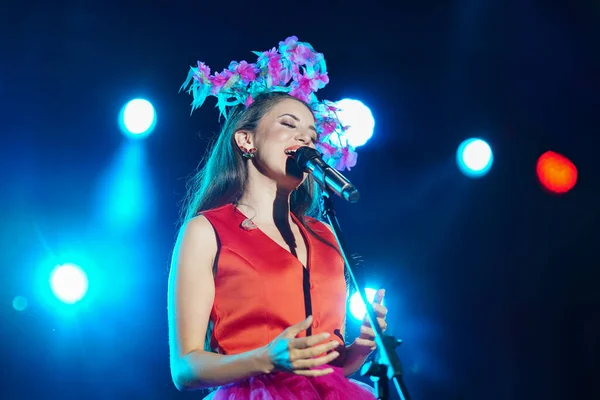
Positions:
{"x": 491, "y": 283}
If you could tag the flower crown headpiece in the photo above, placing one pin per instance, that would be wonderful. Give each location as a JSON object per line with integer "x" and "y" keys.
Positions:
{"x": 294, "y": 68}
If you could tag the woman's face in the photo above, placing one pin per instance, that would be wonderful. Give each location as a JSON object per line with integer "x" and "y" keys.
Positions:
{"x": 287, "y": 125}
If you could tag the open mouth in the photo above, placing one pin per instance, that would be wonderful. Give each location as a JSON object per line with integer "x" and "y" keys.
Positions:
{"x": 291, "y": 150}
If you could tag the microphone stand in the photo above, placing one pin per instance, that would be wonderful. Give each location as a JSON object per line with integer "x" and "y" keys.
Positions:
{"x": 388, "y": 367}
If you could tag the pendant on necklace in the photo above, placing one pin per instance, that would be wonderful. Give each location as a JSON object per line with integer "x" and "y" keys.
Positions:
{"x": 248, "y": 225}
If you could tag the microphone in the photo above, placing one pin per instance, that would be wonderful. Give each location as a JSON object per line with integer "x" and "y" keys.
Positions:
{"x": 311, "y": 161}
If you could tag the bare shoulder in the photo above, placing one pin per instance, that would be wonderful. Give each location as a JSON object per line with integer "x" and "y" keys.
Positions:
{"x": 199, "y": 231}
{"x": 196, "y": 245}
{"x": 198, "y": 226}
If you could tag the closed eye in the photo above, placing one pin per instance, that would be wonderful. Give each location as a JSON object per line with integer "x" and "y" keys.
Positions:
{"x": 293, "y": 126}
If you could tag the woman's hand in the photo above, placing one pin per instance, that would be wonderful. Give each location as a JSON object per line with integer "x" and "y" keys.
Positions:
{"x": 365, "y": 343}
{"x": 298, "y": 355}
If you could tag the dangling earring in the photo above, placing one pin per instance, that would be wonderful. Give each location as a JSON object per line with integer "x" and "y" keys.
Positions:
{"x": 248, "y": 153}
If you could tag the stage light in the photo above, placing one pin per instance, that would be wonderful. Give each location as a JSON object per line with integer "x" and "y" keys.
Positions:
{"x": 19, "y": 303}
{"x": 69, "y": 283}
{"x": 556, "y": 172}
{"x": 138, "y": 118}
{"x": 124, "y": 196}
{"x": 358, "y": 118}
{"x": 357, "y": 308}
{"x": 474, "y": 157}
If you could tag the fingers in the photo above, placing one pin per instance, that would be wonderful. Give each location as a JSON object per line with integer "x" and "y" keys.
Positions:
{"x": 309, "y": 341}
{"x": 380, "y": 321}
{"x": 314, "y": 372}
{"x": 379, "y": 296}
{"x": 304, "y": 352}
{"x": 366, "y": 331}
{"x": 366, "y": 343}
{"x": 294, "y": 330}
{"x": 315, "y": 350}
{"x": 307, "y": 363}
{"x": 380, "y": 310}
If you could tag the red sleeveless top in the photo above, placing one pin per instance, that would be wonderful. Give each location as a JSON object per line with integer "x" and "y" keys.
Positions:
{"x": 261, "y": 288}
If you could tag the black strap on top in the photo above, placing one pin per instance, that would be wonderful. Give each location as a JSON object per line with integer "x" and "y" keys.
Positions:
{"x": 307, "y": 299}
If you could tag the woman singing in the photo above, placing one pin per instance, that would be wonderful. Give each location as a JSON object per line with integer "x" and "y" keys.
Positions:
{"x": 257, "y": 292}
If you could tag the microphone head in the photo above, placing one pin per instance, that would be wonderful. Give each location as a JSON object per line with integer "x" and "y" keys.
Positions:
{"x": 304, "y": 154}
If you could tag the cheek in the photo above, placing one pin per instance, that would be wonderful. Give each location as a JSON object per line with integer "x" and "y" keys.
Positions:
{"x": 273, "y": 138}
{"x": 271, "y": 154}
{"x": 273, "y": 142}
{"x": 283, "y": 135}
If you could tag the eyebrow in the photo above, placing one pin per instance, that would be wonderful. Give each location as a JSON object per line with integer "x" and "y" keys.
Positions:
{"x": 297, "y": 119}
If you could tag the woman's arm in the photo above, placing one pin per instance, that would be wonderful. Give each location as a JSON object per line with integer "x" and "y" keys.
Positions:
{"x": 364, "y": 344}
{"x": 191, "y": 294}
{"x": 354, "y": 356}
{"x": 200, "y": 369}
{"x": 354, "y": 359}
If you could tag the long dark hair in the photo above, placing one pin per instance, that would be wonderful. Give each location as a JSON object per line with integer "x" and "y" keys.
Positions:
{"x": 222, "y": 179}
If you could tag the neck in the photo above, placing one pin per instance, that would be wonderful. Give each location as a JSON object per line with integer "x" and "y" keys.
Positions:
{"x": 265, "y": 202}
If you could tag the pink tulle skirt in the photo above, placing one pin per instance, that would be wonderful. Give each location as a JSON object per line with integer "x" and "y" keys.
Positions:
{"x": 286, "y": 386}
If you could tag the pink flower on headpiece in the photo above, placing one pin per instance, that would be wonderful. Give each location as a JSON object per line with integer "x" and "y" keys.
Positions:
{"x": 301, "y": 89}
{"x": 295, "y": 71}
{"x": 326, "y": 149}
{"x": 249, "y": 100}
{"x": 302, "y": 55}
{"x": 273, "y": 59}
{"x": 320, "y": 80}
{"x": 327, "y": 127}
{"x": 306, "y": 84}
{"x": 330, "y": 106}
{"x": 202, "y": 73}
{"x": 319, "y": 59}
{"x": 288, "y": 44}
{"x": 339, "y": 158}
{"x": 278, "y": 73}
{"x": 246, "y": 71}
{"x": 284, "y": 75}
{"x": 348, "y": 159}
{"x": 218, "y": 80}
{"x": 265, "y": 57}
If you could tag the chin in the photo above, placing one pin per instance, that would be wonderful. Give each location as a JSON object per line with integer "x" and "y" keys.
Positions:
{"x": 289, "y": 177}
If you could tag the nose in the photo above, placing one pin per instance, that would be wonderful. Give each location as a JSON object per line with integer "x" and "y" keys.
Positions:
{"x": 304, "y": 138}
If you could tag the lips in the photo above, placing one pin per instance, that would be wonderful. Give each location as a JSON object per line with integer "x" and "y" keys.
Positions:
{"x": 292, "y": 149}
